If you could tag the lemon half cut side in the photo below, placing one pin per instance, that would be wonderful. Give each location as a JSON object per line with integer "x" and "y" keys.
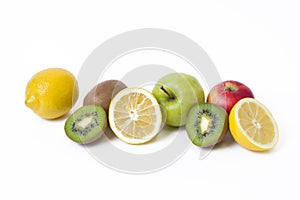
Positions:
{"x": 253, "y": 126}
{"x": 135, "y": 116}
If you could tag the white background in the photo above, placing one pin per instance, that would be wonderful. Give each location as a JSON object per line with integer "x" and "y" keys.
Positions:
{"x": 255, "y": 42}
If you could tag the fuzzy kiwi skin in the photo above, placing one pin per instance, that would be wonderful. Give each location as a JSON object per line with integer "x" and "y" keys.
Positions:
{"x": 192, "y": 117}
{"x": 225, "y": 130}
{"x": 103, "y": 93}
{"x": 79, "y": 111}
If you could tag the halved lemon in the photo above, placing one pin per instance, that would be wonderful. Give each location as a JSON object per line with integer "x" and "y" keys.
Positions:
{"x": 252, "y": 125}
{"x": 135, "y": 116}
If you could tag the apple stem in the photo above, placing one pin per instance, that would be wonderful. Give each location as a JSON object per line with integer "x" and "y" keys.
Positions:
{"x": 230, "y": 87}
{"x": 165, "y": 91}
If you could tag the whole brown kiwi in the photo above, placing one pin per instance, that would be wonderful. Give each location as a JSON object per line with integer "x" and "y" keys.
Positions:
{"x": 102, "y": 93}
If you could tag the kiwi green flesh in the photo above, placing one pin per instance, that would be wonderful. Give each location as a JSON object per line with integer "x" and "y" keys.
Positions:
{"x": 86, "y": 124}
{"x": 207, "y": 124}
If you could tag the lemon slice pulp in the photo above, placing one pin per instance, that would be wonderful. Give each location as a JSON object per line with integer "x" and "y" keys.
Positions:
{"x": 253, "y": 126}
{"x": 135, "y": 116}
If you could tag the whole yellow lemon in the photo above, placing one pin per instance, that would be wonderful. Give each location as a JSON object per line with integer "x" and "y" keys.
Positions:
{"x": 51, "y": 93}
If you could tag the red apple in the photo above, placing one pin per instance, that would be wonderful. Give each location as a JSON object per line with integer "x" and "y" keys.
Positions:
{"x": 226, "y": 94}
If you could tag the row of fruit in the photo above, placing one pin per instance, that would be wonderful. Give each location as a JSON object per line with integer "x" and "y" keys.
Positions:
{"x": 136, "y": 115}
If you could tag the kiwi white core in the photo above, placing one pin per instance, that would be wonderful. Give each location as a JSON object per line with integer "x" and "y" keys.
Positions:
{"x": 204, "y": 124}
{"x": 85, "y": 122}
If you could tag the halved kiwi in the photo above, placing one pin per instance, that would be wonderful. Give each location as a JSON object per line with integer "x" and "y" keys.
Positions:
{"x": 86, "y": 124}
{"x": 207, "y": 124}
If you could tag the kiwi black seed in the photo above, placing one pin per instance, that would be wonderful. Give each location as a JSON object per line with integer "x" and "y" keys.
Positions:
{"x": 102, "y": 93}
{"x": 86, "y": 124}
{"x": 207, "y": 124}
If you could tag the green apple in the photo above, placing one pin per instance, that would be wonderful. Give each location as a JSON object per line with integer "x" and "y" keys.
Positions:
{"x": 177, "y": 93}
